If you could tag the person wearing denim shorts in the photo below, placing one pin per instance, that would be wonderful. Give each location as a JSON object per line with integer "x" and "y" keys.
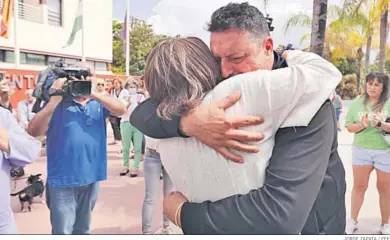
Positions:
{"x": 366, "y": 119}
{"x": 152, "y": 170}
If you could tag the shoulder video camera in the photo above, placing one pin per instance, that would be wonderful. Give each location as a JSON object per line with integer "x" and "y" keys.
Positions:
{"x": 75, "y": 86}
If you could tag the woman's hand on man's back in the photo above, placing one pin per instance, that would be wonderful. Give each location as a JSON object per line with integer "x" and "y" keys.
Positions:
{"x": 210, "y": 125}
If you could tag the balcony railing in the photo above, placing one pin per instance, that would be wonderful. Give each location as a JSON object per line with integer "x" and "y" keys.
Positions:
{"x": 31, "y": 13}
{"x": 54, "y": 18}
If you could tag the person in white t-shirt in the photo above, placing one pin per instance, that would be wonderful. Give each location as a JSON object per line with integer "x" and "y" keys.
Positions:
{"x": 24, "y": 109}
{"x": 129, "y": 133}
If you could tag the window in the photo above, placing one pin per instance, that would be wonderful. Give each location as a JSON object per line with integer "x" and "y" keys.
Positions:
{"x": 31, "y": 2}
{"x": 7, "y": 56}
{"x": 33, "y": 59}
{"x": 71, "y": 61}
{"x": 101, "y": 66}
{"x": 2, "y": 56}
{"x": 31, "y": 10}
{"x": 51, "y": 60}
{"x": 54, "y": 12}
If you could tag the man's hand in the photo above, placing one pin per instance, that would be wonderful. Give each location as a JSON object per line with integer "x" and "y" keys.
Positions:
{"x": 171, "y": 204}
{"x": 58, "y": 85}
{"x": 210, "y": 125}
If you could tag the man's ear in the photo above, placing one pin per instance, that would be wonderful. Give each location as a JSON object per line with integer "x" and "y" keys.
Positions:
{"x": 269, "y": 47}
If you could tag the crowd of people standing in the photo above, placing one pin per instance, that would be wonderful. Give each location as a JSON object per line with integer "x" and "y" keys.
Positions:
{"x": 85, "y": 182}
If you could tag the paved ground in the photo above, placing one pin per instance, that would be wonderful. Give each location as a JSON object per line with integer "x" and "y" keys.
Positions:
{"x": 118, "y": 210}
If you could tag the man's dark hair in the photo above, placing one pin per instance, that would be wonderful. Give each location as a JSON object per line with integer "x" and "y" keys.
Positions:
{"x": 239, "y": 16}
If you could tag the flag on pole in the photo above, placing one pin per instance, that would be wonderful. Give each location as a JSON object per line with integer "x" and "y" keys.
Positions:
{"x": 124, "y": 33}
{"x": 5, "y": 18}
{"x": 77, "y": 25}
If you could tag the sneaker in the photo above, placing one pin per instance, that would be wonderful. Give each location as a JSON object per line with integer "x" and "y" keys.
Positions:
{"x": 385, "y": 229}
{"x": 351, "y": 226}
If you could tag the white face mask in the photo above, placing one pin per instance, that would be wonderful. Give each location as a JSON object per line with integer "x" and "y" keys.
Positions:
{"x": 132, "y": 91}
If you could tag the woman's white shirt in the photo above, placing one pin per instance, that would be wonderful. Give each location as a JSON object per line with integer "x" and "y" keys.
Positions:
{"x": 135, "y": 99}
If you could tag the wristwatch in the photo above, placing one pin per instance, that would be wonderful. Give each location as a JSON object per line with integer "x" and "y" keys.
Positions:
{"x": 379, "y": 124}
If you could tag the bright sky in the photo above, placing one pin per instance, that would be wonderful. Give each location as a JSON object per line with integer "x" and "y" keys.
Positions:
{"x": 189, "y": 17}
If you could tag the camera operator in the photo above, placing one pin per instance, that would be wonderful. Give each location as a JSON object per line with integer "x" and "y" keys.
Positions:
{"x": 76, "y": 155}
{"x": 17, "y": 149}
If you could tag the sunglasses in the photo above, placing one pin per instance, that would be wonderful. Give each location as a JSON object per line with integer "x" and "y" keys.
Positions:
{"x": 100, "y": 84}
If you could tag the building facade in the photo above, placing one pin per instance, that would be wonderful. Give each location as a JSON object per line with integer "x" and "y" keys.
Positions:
{"x": 43, "y": 29}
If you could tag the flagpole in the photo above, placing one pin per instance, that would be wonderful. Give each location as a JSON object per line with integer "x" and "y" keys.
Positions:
{"x": 127, "y": 38}
{"x": 83, "y": 58}
{"x": 16, "y": 40}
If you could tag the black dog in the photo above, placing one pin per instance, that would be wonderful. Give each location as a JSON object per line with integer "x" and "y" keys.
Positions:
{"x": 35, "y": 188}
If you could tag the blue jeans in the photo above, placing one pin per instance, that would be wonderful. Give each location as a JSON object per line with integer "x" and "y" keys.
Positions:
{"x": 152, "y": 170}
{"x": 71, "y": 208}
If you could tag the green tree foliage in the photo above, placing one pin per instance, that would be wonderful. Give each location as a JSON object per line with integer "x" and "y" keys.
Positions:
{"x": 118, "y": 56}
{"x": 142, "y": 40}
{"x": 347, "y": 88}
{"x": 346, "y": 65}
{"x": 375, "y": 66}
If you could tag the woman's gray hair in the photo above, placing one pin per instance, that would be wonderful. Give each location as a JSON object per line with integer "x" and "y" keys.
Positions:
{"x": 178, "y": 74}
{"x": 131, "y": 81}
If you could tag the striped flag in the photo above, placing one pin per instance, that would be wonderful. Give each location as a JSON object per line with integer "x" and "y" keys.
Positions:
{"x": 5, "y": 18}
{"x": 77, "y": 25}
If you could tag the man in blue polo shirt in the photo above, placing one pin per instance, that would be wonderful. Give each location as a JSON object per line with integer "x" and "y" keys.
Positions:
{"x": 76, "y": 155}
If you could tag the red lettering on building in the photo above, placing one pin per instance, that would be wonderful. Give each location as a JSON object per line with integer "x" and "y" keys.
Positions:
{"x": 26, "y": 79}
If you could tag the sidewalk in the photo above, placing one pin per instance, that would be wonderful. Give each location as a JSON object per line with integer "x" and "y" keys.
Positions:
{"x": 118, "y": 210}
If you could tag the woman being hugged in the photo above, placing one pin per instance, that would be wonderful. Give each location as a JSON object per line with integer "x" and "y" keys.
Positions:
{"x": 366, "y": 119}
{"x": 182, "y": 73}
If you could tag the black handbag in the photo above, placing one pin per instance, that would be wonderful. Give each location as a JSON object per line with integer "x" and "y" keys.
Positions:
{"x": 17, "y": 172}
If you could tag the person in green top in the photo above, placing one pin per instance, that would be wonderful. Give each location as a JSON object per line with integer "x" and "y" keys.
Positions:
{"x": 366, "y": 119}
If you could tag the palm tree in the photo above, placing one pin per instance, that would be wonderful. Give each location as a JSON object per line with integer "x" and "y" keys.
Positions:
{"x": 384, "y": 5}
{"x": 318, "y": 28}
{"x": 342, "y": 38}
{"x": 332, "y": 30}
{"x": 366, "y": 14}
